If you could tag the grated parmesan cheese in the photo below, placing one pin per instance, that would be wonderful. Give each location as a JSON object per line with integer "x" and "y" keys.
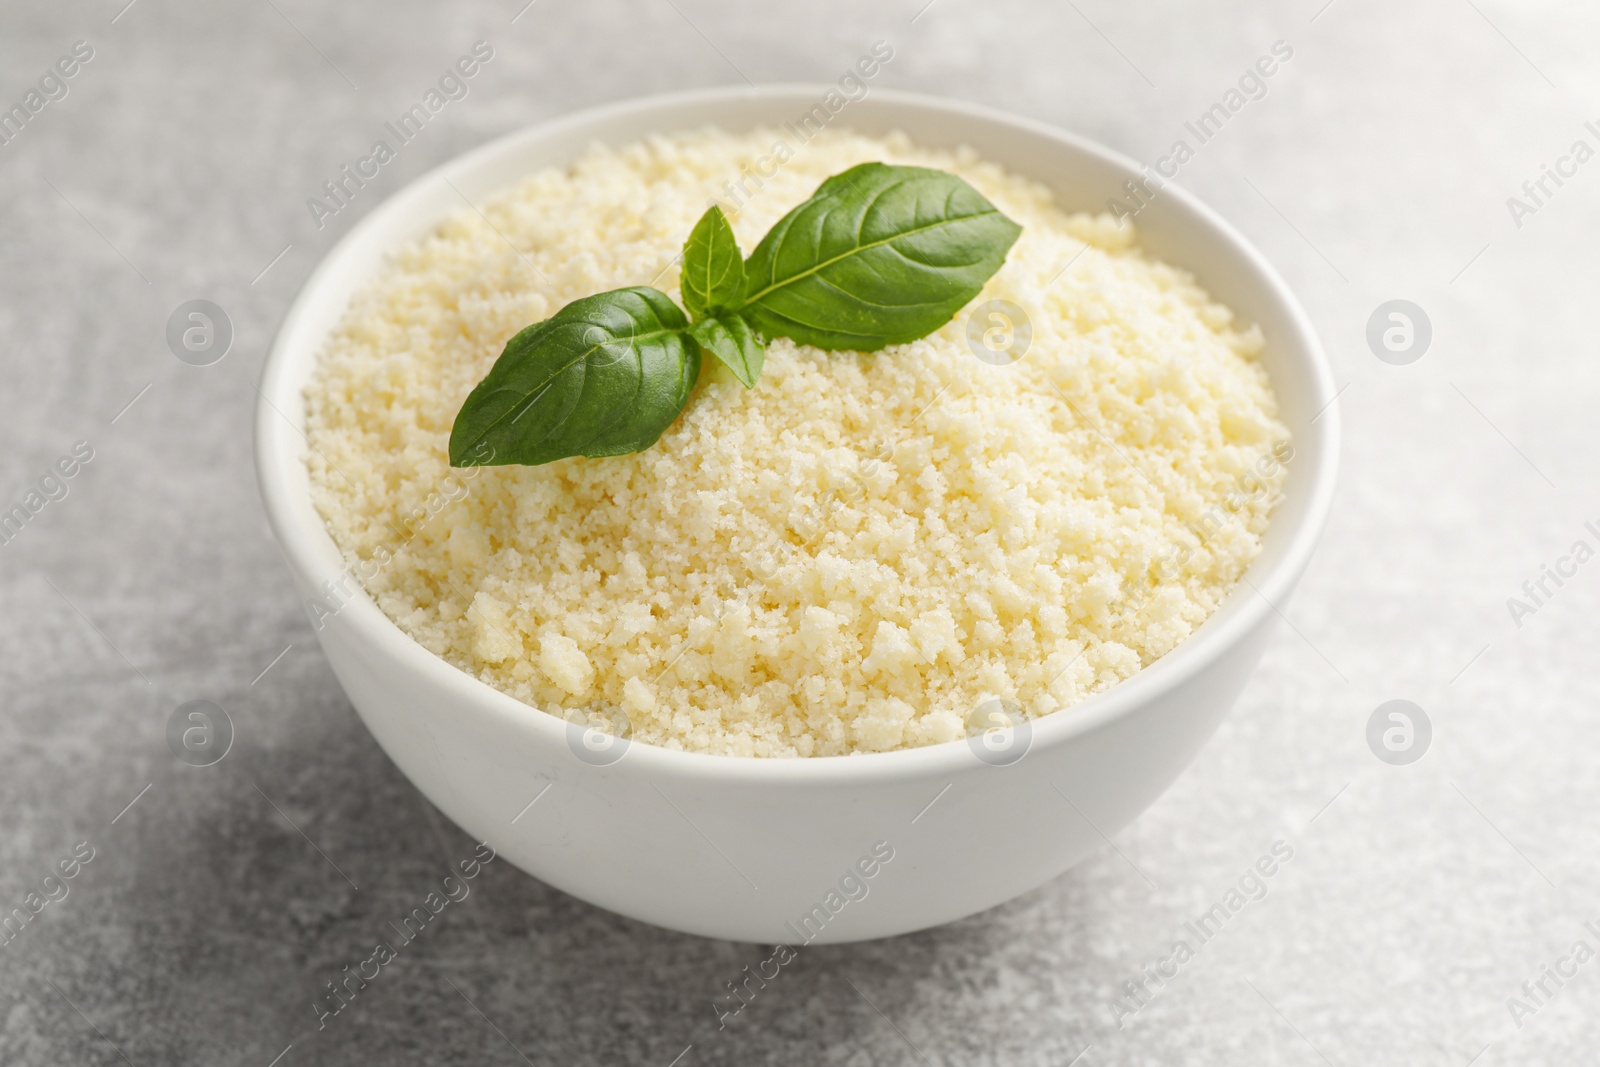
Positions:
{"x": 851, "y": 556}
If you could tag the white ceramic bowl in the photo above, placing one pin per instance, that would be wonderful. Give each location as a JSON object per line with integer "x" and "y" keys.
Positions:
{"x": 746, "y": 848}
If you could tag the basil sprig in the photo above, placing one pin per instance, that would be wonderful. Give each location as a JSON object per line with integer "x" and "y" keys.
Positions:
{"x": 879, "y": 255}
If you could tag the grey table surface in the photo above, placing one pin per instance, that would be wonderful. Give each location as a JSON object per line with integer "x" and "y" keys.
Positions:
{"x": 1420, "y": 898}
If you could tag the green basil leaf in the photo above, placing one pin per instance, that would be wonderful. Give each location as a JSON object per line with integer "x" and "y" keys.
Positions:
{"x": 730, "y": 339}
{"x": 712, "y": 278}
{"x": 604, "y": 376}
{"x": 879, "y": 255}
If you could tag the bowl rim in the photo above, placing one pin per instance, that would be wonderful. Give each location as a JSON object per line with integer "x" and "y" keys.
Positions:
{"x": 276, "y": 451}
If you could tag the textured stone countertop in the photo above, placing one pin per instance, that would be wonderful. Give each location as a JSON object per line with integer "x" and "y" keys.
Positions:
{"x": 1376, "y": 166}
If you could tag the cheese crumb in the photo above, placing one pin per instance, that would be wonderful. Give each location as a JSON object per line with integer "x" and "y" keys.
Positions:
{"x": 637, "y": 695}
{"x": 564, "y": 663}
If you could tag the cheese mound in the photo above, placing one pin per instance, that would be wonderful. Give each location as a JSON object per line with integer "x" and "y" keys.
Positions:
{"x": 858, "y": 552}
